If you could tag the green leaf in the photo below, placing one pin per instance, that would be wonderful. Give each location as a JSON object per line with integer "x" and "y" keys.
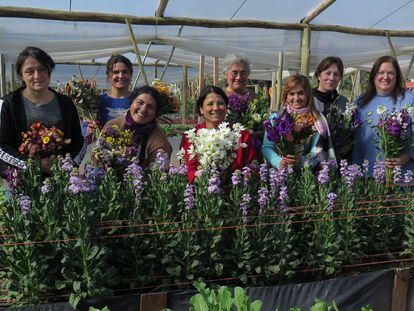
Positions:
{"x": 198, "y": 303}
{"x": 256, "y": 305}
{"x": 76, "y": 286}
{"x": 225, "y": 300}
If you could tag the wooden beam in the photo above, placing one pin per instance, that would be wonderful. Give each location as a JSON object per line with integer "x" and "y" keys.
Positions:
{"x": 12, "y": 77}
{"x": 3, "y": 88}
{"x": 104, "y": 64}
{"x": 279, "y": 80}
{"x": 162, "y": 5}
{"x": 184, "y": 95}
{"x": 139, "y": 73}
{"x": 170, "y": 56}
{"x": 318, "y": 10}
{"x": 305, "y": 52}
{"x": 135, "y": 46}
{"x": 186, "y": 21}
{"x": 201, "y": 73}
{"x": 274, "y": 95}
{"x": 407, "y": 73}
{"x": 400, "y": 289}
{"x": 391, "y": 45}
{"x": 216, "y": 71}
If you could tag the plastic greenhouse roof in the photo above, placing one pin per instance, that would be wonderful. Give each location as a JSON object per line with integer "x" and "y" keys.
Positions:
{"x": 74, "y": 41}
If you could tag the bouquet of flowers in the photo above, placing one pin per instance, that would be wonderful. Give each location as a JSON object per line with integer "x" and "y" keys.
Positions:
{"x": 168, "y": 94}
{"x": 115, "y": 148}
{"x": 215, "y": 148}
{"x": 343, "y": 125}
{"x": 249, "y": 114}
{"x": 41, "y": 141}
{"x": 84, "y": 94}
{"x": 290, "y": 132}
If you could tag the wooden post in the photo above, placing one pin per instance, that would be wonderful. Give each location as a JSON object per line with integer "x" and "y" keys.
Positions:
{"x": 156, "y": 69}
{"x": 274, "y": 95}
{"x": 153, "y": 302}
{"x": 184, "y": 95}
{"x": 266, "y": 91}
{"x": 279, "y": 80}
{"x": 407, "y": 73}
{"x": 356, "y": 85}
{"x": 391, "y": 45}
{"x": 399, "y": 291}
{"x": 135, "y": 45}
{"x": 215, "y": 71}
{"x": 3, "y": 89}
{"x": 161, "y": 8}
{"x": 305, "y": 51}
{"x": 201, "y": 73}
{"x": 139, "y": 73}
{"x": 12, "y": 77}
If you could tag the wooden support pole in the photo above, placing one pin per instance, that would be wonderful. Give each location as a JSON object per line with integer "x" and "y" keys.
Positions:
{"x": 184, "y": 95}
{"x": 391, "y": 45}
{"x": 12, "y": 77}
{"x": 305, "y": 52}
{"x": 135, "y": 45}
{"x": 143, "y": 61}
{"x": 170, "y": 56}
{"x": 274, "y": 95}
{"x": 156, "y": 70}
{"x": 356, "y": 85}
{"x": 161, "y": 8}
{"x": 279, "y": 80}
{"x": 153, "y": 302}
{"x": 201, "y": 73}
{"x": 318, "y": 10}
{"x": 400, "y": 289}
{"x": 216, "y": 71}
{"x": 3, "y": 89}
{"x": 410, "y": 65}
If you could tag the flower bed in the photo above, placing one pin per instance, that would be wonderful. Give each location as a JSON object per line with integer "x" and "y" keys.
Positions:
{"x": 92, "y": 234}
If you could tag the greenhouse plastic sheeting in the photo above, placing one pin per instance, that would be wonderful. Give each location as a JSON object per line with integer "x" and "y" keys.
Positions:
{"x": 349, "y": 293}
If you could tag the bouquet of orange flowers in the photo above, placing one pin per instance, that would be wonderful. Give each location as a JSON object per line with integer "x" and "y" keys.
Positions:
{"x": 40, "y": 141}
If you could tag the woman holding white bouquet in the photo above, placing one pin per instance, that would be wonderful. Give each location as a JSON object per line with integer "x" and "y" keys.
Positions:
{"x": 215, "y": 144}
{"x": 385, "y": 109}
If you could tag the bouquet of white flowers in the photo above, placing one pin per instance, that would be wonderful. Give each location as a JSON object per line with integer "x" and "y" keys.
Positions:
{"x": 215, "y": 148}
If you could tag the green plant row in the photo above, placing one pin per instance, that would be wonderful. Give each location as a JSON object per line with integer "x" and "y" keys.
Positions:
{"x": 76, "y": 236}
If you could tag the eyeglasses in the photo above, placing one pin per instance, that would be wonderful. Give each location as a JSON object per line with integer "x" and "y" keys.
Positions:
{"x": 236, "y": 73}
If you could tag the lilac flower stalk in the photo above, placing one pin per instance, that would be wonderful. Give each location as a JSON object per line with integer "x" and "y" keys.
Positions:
{"x": 273, "y": 178}
{"x": 244, "y": 206}
{"x": 408, "y": 177}
{"x": 13, "y": 178}
{"x": 263, "y": 198}
{"x": 397, "y": 174}
{"x": 214, "y": 184}
{"x": 47, "y": 186}
{"x": 66, "y": 164}
{"x": 79, "y": 184}
{"x": 25, "y": 204}
{"x": 352, "y": 173}
{"x": 236, "y": 178}
{"x": 161, "y": 161}
{"x": 283, "y": 195}
{"x": 247, "y": 173}
{"x": 189, "y": 195}
{"x": 323, "y": 176}
{"x": 133, "y": 172}
{"x": 379, "y": 171}
{"x": 182, "y": 169}
{"x": 331, "y": 200}
{"x": 264, "y": 173}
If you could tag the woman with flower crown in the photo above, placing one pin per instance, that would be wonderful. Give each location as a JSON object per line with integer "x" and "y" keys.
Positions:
{"x": 140, "y": 119}
{"x": 212, "y": 105}
{"x": 36, "y": 103}
{"x": 385, "y": 92}
{"x": 299, "y": 132}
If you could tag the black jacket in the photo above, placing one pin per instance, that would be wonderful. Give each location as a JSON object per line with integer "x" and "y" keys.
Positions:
{"x": 13, "y": 123}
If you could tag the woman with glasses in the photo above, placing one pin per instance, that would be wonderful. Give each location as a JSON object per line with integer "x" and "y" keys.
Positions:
{"x": 117, "y": 100}
{"x": 36, "y": 103}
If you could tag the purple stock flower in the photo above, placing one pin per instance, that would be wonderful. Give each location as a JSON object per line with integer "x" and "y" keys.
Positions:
{"x": 47, "y": 186}
{"x": 182, "y": 170}
{"x": 365, "y": 167}
{"x": 283, "y": 195}
{"x": 189, "y": 194}
{"x": 379, "y": 171}
{"x": 133, "y": 172}
{"x": 79, "y": 184}
{"x": 273, "y": 180}
{"x": 214, "y": 184}
{"x": 173, "y": 170}
{"x": 247, "y": 173}
{"x": 161, "y": 161}
{"x": 264, "y": 173}
{"x": 397, "y": 174}
{"x": 66, "y": 164}
{"x": 236, "y": 178}
{"x": 238, "y": 103}
{"x": 25, "y": 204}
{"x": 352, "y": 173}
{"x": 408, "y": 177}
{"x": 323, "y": 176}
{"x": 263, "y": 198}
{"x": 13, "y": 178}
{"x": 331, "y": 200}
{"x": 244, "y": 206}
{"x": 285, "y": 125}
{"x": 343, "y": 167}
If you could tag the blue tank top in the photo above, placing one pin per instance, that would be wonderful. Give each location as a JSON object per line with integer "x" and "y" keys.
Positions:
{"x": 111, "y": 108}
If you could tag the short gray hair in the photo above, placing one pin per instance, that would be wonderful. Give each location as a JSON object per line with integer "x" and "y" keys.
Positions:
{"x": 232, "y": 58}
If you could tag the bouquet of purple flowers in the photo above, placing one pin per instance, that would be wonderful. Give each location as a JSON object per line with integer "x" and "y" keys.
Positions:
{"x": 290, "y": 132}
{"x": 343, "y": 125}
{"x": 393, "y": 131}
